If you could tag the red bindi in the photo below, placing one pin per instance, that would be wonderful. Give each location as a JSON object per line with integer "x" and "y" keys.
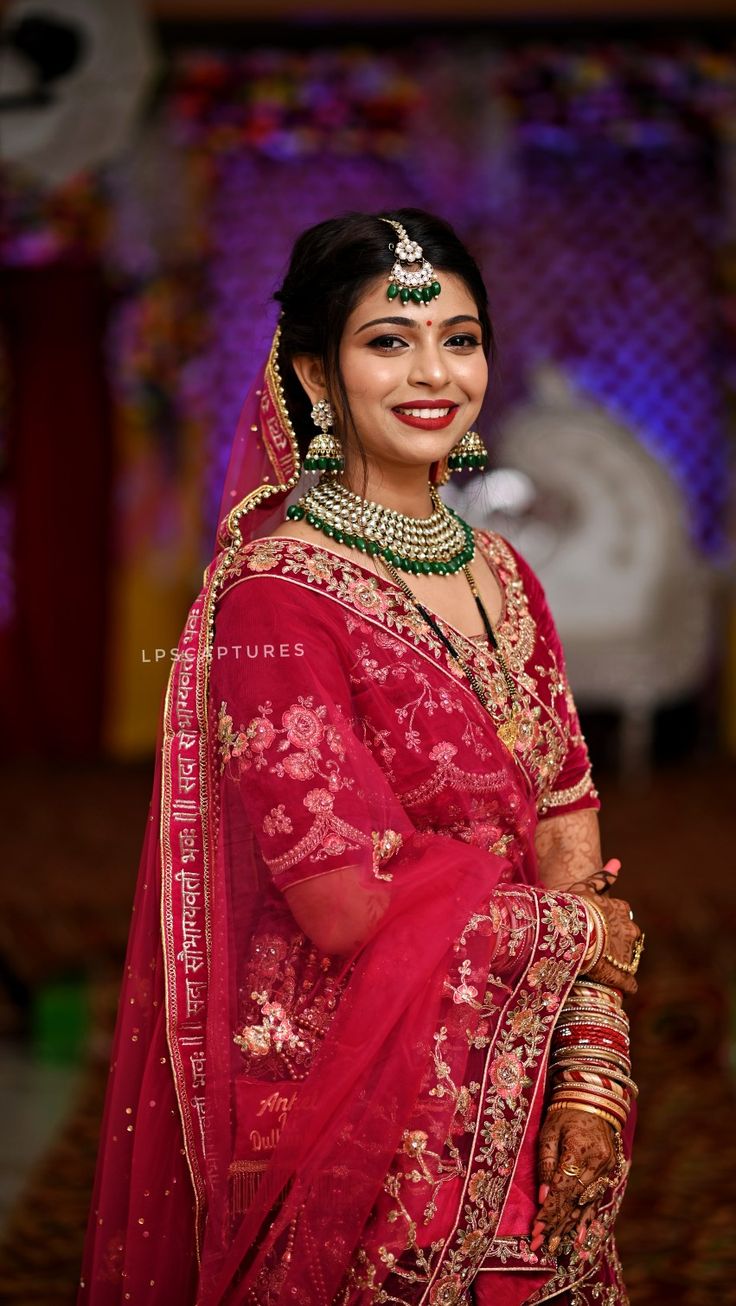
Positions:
{"x": 429, "y": 324}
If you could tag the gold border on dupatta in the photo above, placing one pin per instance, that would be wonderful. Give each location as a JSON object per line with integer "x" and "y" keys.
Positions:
{"x": 543, "y": 1052}
{"x": 275, "y": 387}
{"x": 212, "y": 581}
{"x": 170, "y": 997}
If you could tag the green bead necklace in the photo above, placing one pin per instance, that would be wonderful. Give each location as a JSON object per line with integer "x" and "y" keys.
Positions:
{"x": 438, "y": 545}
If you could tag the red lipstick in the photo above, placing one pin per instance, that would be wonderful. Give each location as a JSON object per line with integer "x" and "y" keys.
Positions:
{"x": 412, "y": 418}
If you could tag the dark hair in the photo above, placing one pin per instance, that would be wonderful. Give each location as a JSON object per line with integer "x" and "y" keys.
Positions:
{"x": 331, "y": 265}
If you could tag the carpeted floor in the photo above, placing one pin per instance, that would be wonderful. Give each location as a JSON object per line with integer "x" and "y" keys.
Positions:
{"x": 675, "y": 839}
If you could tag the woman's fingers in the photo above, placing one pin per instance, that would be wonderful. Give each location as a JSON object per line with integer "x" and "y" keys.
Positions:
{"x": 581, "y": 1232}
{"x": 605, "y": 973}
{"x": 598, "y": 882}
{"x": 584, "y": 1150}
{"x": 623, "y": 932}
{"x": 548, "y": 1150}
{"x": 561, "y": 1208}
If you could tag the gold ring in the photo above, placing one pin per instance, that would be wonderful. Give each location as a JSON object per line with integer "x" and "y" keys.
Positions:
{"x": 621, "y": 1162}
{"x": 595, "y": 1190}
{"x": 636, "y": 954}
{"x": 572, "y": 1170}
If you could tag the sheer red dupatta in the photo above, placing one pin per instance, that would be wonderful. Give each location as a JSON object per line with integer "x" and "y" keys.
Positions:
{"x": 328, "y": 798}
{"x": 299, "y": 782}
{"x": 148, "y": 1205}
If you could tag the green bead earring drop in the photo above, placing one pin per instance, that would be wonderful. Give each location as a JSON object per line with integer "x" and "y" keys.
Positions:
{"x": 420, "y": 295}
{"x": 469, "y": 451}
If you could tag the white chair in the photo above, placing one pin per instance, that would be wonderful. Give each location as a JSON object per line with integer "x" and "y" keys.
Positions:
{"x": 603, "y": 524}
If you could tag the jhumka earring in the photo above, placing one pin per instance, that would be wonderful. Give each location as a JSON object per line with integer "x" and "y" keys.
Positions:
{"x": 324, "y": 452}
{"x": 469, "y": 451}
{"x": 406, "y": 279}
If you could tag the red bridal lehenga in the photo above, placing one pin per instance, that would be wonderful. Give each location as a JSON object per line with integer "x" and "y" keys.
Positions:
{"x": 288, "y": 1125}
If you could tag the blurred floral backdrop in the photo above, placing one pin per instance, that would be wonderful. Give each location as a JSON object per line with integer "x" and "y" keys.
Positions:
{"x": 595, "y": 182}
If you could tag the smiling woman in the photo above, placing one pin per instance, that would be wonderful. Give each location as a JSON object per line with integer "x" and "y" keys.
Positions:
{"x": 367, "y": 920}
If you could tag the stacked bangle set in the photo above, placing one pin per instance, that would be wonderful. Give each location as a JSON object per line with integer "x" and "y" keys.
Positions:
{"x": 590, "y": 1068}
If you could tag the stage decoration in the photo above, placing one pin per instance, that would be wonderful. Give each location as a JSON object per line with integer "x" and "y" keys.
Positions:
{"x": 593, "y": 181}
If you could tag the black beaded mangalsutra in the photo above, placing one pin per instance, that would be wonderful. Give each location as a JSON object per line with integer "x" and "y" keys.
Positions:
{"x": 508, "y": 732}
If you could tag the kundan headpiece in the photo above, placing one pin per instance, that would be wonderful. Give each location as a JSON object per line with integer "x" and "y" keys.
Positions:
{"x": 406, "y": 279}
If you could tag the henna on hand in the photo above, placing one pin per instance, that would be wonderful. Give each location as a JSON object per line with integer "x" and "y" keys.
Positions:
{"x": 622, "y": 934}
{"x": 568, "y": 848}
{"x": 598, "y": 882}
{"x": 570, "y": 1140}
{"x": 622, "y": 930}
{"x": 604, "y": 973}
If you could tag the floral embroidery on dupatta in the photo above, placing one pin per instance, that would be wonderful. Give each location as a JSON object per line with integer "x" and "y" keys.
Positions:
{"x": 491, "y": 1098}
{"x": 288, "y": 998}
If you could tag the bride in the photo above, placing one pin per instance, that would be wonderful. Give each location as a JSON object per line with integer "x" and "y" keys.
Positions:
{"x": 371, "y": 1044}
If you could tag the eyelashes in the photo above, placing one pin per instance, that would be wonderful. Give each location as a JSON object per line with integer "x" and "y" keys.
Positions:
{"x": 386, "y": 344}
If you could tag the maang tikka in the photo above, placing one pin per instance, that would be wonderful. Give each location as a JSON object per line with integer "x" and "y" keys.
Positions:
{"x": 406, "y": 279}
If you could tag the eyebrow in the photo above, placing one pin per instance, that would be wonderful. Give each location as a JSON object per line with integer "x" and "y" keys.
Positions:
{"x": 412, "y": 322}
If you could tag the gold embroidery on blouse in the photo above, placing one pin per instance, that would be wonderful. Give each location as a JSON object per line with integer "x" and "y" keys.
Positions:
{"x": 560, "y": 797}
{"x": 328, "y": 836}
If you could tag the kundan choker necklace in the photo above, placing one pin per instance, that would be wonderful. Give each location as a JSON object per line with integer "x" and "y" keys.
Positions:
{"x": 439, "y": 544}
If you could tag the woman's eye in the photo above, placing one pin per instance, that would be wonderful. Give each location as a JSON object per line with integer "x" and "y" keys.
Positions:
{"x": 463, "y": 341}
{"x": 388, "y": 343}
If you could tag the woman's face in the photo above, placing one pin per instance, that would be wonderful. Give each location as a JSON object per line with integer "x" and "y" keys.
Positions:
{"x": 415, "y": 374}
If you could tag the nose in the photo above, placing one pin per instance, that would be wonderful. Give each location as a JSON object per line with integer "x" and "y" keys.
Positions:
{"x": 428, "y": 364}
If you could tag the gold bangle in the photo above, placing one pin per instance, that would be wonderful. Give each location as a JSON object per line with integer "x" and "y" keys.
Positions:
{"x": 592, "y": 1110}
{"x": 590, "y": 1015}
{"x": 564, "y": 1087}
{"x": 593, "y": 1093}
{"x": 590, "y": 1068}
{"x": 603, "y": 995}
{"x": 592, "y": 1102}
{"x": 589, "y": 1050}
{"x": 597, "y": 988}
{"x": 582, "y": 1003}
{"x": 574, "y": 1060}
{"x": 629, "y": 967}
{"x": 603, "y": 933}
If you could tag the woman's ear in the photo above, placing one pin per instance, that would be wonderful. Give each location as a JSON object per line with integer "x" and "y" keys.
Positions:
{"x": 311, "y": 373}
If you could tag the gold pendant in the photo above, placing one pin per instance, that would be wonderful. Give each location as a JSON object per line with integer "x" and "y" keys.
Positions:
{"x": 508, "y": 733}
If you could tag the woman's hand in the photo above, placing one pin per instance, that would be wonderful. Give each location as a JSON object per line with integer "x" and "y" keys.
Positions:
{"x": 623, "y": 932}
{"x": 577, "y": 1152}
